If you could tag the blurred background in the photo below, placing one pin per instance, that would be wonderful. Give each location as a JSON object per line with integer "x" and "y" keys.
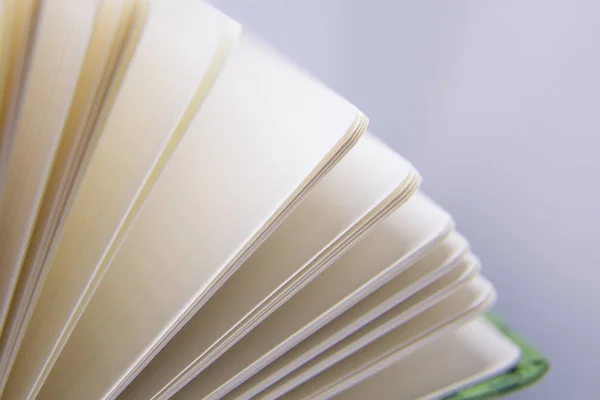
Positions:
{"x": 497, "y": 105}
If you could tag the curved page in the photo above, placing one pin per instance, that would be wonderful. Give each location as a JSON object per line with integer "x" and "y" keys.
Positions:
{"x": 62, "y": 33}
{"x": 107, "y": 55}
{"x": 18, "y": 21}
{"x": 470, "y": 302}
{"x": 392, "y": 247}
{"x": 431, "y": 295}
{"x": 339, "y": 205}
{"x": 435, "y": 264}
{"x": 176, "y": 58}
{"x": 255, "y": 351}
{"x": 471, "y": 354}
{"x": 264, "y": 135}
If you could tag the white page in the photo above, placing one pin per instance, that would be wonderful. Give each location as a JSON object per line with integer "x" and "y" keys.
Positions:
{"x": 341, "y": 203}
{"x": 18, "y": 21}
{"x": 259, "y": 140}
{"x": 55, "y": 62}
{"x": 114, "y": 35}
{"x": 171, "y": 70}
{"x": 455, "y": 311}
{"x": 471, "y": 354}
{"x": 445, "y": 258}
{"x": 264, "y": 344}
{"x": 431, "y": 295}
{"x": 387, "y": 251}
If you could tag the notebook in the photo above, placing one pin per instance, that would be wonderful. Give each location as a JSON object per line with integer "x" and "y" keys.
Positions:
{"x": 186, "y": 213}
{"x": 375, "y": 309}
{"x": 478, "y": 295}
{"x": 298, "y": 248}
{"x": 470, "y": 354}
{"x": 379, "y": 326}
{"x": 530, "y": 368}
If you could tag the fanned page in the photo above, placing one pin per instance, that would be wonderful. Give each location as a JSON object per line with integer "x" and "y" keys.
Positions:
{"x": 471, "y": 354}
{"x": 18, "y": 23}
{"x": 268, "y": 342}
{"x": 263, "y": 137}
{"x": 405, "y": 236}
{"x": 431, "y": 268}
{"x": 305, "y": 348}
{"x": 181, "y": 48}
{"x": 353, "y": 196}
{"x": 463, "y": 306}
{"x": 63, "y": 29}
{"x": 402, "y": 313}
{"x": 186, "y": 214}
{"x": 106, "y": 57}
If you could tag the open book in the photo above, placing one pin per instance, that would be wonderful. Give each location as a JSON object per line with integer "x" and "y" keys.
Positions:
{"x": 186, "y": 214}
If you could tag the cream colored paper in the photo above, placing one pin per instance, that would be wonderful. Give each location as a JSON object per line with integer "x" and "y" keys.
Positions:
{"x": 386, "y": 252}
{"x": 403, "y": 312}
{"x": 264, "y": 135}
{"x": 268, "y": 342}
{"x": 63, "y": 30}
{"x": 18, "y": 22}
{"x": 444, "y": 258}
{"x": 107, "y": 55}
{"x": 471, "y": 354}
{"x": 182, "y": 48}
{"x": 457, "y": 310}
{"x": 322, "y": 227}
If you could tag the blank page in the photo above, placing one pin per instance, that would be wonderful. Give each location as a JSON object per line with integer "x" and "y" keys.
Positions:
{"x": 363, "y": 176}
{"x": 431, "y": 295}
{"x": 256, "y": 350}
{"x": 463, "y": 358}
{"x": 389, "y": 249}
{"x": 178, "y": 53}
{"x": 18, "y": 23}
{"x": 112, "y": 38}
{"x": 463, "y": 306}
{"x": 55, "y": 62}
{"x": 263, "y": 135}
{"x": 341, "y": 203}
{"x": 446, "y": 258}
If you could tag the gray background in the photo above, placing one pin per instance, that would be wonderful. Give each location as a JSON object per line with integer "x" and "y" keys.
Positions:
{"x": 497, "y": 104}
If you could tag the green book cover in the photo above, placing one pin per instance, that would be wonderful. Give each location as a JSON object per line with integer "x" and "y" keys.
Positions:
{"x": 530, "y": 369}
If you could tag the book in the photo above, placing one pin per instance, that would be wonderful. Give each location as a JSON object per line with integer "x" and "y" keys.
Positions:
{"x": 472, "y": 351}
{"x": 186, "y": 213}
{"x": 531, "y": 367}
